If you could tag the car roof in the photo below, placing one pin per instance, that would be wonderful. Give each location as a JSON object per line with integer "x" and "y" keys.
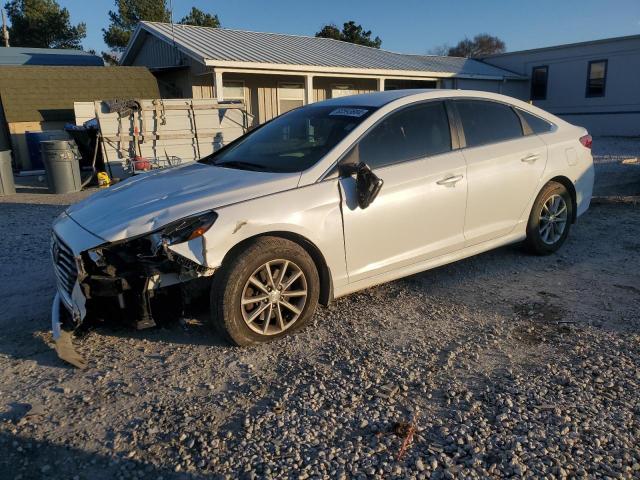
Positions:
{"x": 380, "y": 99}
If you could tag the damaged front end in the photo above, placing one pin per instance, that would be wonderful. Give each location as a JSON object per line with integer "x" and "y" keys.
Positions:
{"x": 119, "y": 279}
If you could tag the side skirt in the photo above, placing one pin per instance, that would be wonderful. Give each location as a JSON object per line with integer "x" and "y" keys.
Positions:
{"x": 429, "y": 264}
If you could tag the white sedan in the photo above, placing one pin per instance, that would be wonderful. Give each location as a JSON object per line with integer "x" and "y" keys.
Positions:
{"x": 325, "y": 200}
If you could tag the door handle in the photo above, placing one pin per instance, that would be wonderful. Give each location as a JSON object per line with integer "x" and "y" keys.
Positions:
{"x": 450, "y": 181}
{"x": 532, "y": 157}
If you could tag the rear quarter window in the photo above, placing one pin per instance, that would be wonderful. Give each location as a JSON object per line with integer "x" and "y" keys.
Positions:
{"x": 487, "y": 122}
{"x": 537, "y": 124}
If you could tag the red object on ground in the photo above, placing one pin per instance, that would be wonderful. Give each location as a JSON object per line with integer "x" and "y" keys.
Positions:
{"x": 141, "y": 164}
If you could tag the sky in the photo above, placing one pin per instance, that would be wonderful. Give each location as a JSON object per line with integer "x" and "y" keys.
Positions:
{"x": 406, "y": 26}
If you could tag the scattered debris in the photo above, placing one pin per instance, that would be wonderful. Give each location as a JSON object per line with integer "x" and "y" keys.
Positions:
{"x": 387, "y": 391}
{"x": 35, "y": 413}
{"x": 67, "y": 352}
{"x": 406, "y": 430}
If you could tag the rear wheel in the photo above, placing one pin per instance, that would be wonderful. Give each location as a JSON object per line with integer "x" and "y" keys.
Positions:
{"x": 269, "y": 289}
{"x": 550, "y": 219}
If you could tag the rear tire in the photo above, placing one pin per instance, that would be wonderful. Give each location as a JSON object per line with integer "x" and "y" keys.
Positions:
{"x": 270, "y": 288}
{"x": 550, "y": 219}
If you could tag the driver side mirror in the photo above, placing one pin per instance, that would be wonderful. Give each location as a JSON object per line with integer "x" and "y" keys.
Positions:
{"x": 368, "y": 184}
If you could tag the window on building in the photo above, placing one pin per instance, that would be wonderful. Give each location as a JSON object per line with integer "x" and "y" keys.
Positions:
{"x": 539, "y": 79}
{"x": 596, "y": 78}
{"x": 233, "y": 90}
{"x": 488, "y": 122}
{"x": 414, "y": 132}
{"x": 536, "y": 124}
{"x": 290, "y": 96}
{"x": 338, "y": 91}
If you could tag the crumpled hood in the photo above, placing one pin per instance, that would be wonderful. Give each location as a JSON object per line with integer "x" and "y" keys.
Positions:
{"x": 147, "y": 202}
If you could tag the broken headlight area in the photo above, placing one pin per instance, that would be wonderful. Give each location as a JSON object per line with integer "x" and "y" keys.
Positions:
{"x": 188, "y": 228}
{"x": 125, "y": 278}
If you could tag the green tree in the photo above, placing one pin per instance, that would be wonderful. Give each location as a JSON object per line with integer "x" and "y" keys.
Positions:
{"x": 330, "y": 31}
{"x": 352, "y": 33}
{"x": 129, "y": 13}
{"x": 44, "y": 24}
{"x": 201, "y": 19}
{"x": 482, "y": 45}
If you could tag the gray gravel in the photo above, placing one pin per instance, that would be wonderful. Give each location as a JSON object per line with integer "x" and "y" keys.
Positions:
{"x": 502, "y": 364}
{"x": 617, "y": 163}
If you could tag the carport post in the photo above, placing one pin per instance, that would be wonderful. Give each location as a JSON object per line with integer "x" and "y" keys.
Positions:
{"x": 218, "y": 84}
{"x": 308, "y": 89}
{"x": 381, "y": 84}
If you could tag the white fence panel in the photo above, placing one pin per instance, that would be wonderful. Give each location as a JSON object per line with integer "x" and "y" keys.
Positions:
{"x": 159, "y": 128}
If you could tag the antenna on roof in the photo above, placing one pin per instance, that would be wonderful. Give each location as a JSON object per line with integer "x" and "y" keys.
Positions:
{"x": 5, "y": 31}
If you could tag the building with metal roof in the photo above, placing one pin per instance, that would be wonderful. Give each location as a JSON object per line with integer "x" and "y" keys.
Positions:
{"x": 594, "y": 84}
{"x": 48, "y": 56}
{"x": 274, "y": 72}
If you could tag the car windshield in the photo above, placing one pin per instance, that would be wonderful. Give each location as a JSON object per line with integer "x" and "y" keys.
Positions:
{"x": 291, "y": 142}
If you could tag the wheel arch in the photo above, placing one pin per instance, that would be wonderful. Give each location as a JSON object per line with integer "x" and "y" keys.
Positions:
{"x": 324, "y": 273}
{"x": 568, "y": 184}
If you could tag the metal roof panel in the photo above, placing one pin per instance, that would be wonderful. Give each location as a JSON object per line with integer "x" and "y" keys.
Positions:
{"x": 220, "y": 44}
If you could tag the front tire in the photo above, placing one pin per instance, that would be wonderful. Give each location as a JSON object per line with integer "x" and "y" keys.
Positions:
{"x": 269, "y": 288}
{"x": 550, "y": 219}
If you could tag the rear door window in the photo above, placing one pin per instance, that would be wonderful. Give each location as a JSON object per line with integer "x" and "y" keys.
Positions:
{"x": 537, "y": 124}
{"x": 487, "y": 122}
{"x": 413, "y": 132}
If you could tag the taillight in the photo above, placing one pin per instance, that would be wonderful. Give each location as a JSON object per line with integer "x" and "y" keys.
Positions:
{"x": 586, "y": 141}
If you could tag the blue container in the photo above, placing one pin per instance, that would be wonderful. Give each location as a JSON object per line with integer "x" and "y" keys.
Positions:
{"x": 33, "y": 145}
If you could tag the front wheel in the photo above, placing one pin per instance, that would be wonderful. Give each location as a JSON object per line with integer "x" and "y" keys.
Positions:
{"x": 550, "y": 219}
{"x": 269, "y": 289}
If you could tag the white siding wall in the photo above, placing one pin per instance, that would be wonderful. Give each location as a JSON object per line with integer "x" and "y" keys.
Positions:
{"x": 617, "y": 113}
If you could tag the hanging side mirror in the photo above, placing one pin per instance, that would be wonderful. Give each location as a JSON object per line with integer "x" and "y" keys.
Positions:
{"x": 368, "y": 184}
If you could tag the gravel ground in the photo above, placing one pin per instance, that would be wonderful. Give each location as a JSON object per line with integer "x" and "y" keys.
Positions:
{"x": 502, "y": 364}
{"x": 617, "y": 163}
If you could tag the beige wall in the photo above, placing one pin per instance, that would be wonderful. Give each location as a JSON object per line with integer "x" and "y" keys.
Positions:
{"x": 190, "y": 80}
{"x": 261, "y": 93}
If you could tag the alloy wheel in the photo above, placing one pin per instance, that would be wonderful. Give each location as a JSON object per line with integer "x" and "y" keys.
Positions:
{"x": 553, "y": 219}
{"x": 274, "y": 297}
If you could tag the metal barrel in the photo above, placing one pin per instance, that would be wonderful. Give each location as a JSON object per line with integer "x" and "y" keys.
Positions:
{"x": 7, "y": 187}
{"x": 62, "y": 166}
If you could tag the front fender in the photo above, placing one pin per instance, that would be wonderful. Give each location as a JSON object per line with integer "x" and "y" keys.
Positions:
{"x": 312, "y": 212}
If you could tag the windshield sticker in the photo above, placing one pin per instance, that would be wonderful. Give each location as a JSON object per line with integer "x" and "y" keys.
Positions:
{"x": 348, "y": 112}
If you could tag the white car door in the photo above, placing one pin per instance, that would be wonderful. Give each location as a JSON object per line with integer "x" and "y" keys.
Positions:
{"x": 503, "y": 168}
{"x": 419, "y": 213}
